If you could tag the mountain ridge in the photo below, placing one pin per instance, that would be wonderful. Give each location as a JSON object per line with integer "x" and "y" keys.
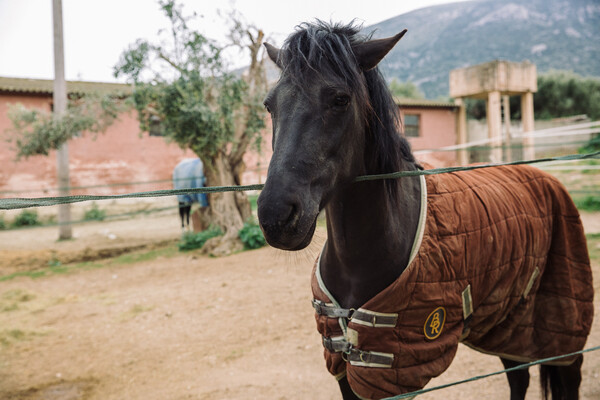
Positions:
{"x": 552, "y": 34}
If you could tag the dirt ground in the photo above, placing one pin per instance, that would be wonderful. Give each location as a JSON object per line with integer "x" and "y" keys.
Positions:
{"x": 182, "y": 325}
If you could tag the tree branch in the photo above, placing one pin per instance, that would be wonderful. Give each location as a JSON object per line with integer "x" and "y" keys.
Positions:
{"x": 170, "y": 62}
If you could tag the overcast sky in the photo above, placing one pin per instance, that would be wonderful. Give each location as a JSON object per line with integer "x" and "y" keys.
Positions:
{"x": 97, "y": 31}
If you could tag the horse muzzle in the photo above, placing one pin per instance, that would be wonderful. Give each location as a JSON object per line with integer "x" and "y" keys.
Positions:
{"x": 287, "y": 220}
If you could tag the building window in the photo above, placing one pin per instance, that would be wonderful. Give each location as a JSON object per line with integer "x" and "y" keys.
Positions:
{"x": 155, "y": 127}
{"x": 412, "y": 125}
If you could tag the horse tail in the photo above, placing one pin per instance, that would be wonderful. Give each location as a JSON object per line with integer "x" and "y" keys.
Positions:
{"x": 561, "y": 381}
{"x": 548, "y": 381}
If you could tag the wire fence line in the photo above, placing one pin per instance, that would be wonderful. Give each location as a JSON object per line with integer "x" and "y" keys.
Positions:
{"x": 436, "y": 171}
{"x": 102, "y": 185}
{"x": 56, "y": 189}
{"x": 105, "y": 218}
{"x": 483, "y": 144}
{"x": 17, "y": 203}
{"x": 478, "y": 377}
{"x": 474, "y": 146}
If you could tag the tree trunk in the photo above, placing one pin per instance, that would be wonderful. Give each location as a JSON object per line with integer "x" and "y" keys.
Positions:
{"x": 228, "y": 210}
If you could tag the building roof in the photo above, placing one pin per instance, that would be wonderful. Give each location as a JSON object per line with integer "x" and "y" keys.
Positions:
{"x": 46, "y": 86}
{"x": 423, "y": 103}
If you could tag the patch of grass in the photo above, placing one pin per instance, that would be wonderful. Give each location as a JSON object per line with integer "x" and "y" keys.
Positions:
{"x": 10, "y": 300}
{"x": 193, "y": 241}
{"x": 588, "y": 203}
{"x": 10, "y": 336}
{"x": 31, "y": 274}
{"x": 234, "y": 354}
{"x": 54, "y": 263}
{"x": 134, "y": 311}
{"x": 26, "y": 218}
{"x": 593, "y": 242}
{"x": 56, "y": 267}
{"x": 18, "y": 295}
{"x": 132, "y": 258}
{"x": 94, "y": 214}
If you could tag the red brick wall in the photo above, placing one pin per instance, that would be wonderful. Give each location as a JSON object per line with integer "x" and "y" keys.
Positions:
{"x": 122, "y": 154}
{"x": 119, "y": 155}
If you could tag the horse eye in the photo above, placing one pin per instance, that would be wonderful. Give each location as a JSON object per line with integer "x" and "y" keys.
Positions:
{"x": 267, "y": 108}
{"x": 341, "y": 101}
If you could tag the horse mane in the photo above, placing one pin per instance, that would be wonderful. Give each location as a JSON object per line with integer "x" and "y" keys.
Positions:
{"x": 326, "y": 50}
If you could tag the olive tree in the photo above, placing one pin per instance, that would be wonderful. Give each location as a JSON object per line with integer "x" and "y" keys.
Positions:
{"x": 36, "y": 132}
{"x": 182, "y": 89}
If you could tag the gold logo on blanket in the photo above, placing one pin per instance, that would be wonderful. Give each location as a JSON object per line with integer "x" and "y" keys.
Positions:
{"x": 435, "y": 323}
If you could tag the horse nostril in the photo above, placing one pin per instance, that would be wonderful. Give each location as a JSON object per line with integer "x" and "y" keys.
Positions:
{"x": 279, "y": 212}
{"x": 293, "y": 217}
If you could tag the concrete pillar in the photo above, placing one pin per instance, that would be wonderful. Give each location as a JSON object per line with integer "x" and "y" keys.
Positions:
{"x": 462, "y": 155}
{"x": 494, "y": 121}
{"x": 527, "y": 121}
{"x": 507, "y": 138}
{"x": 59, "y": 98}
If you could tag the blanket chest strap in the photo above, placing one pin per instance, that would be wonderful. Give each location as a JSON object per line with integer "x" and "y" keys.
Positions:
{"x": 361, "y": 316}
{"x": 372, "y": 359}
{"x": 357, "y": 357}
{"x": 330, "y": 310}
{"x": 337, "y": 344}
{"x": 374, "y": 319}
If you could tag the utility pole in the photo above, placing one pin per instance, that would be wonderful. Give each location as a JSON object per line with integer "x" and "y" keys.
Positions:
{"x": 60, "y": 106}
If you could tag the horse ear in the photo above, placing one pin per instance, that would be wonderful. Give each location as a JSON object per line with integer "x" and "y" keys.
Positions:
{"x": 369, "y": 54}
{"x": 273, "y": 53}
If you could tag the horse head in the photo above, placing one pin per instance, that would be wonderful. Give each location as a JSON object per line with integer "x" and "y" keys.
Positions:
{"x": 321, "y": 108}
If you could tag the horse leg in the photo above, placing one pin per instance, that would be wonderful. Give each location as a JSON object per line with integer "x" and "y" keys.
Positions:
{"x": 182, "y": 215}
{"x": 517, "y": 380}
{"x": 563, "y": 381}
{"x": 188, "y": 209}
{"x": 347, "y": 393}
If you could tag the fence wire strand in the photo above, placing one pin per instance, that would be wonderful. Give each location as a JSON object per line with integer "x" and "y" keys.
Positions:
{"x": 22, "y": 202}
{"x": 478, "y": 377}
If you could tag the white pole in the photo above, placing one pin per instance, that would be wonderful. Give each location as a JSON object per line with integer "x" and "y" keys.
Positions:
{"x": 60, "y": 106}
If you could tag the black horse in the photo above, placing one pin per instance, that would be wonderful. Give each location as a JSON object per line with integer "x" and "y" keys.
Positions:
{"x": 334, "y": 119}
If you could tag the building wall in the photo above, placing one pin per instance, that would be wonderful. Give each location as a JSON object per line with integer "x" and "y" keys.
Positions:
{"x": 123, "y": 155}
{"x": 120, "y": 155}
{"x": 438, "y": 129}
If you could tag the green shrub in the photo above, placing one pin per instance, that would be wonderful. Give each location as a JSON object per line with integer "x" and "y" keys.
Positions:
{"x": 94, "y": 214}
{"x": 252, "y": 236}
{"x": 592, "y": 146}
{"x": 2, "y": 223}
{"x": 588, "y": 203}
{"x": 192, "y": 240}
{"x": 26, "y": 218}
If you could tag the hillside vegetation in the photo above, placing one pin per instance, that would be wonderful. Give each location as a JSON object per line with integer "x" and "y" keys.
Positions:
{"x": 553, "y": 34}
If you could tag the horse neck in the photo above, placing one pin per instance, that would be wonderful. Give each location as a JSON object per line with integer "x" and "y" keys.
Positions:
{"x": 370, "y": 237}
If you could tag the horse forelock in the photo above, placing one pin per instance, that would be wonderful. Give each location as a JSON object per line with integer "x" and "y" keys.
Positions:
{"x": 325, "y": 51}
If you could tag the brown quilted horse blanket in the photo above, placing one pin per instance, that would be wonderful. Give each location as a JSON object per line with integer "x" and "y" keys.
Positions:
{"x": 500, "y": 264}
